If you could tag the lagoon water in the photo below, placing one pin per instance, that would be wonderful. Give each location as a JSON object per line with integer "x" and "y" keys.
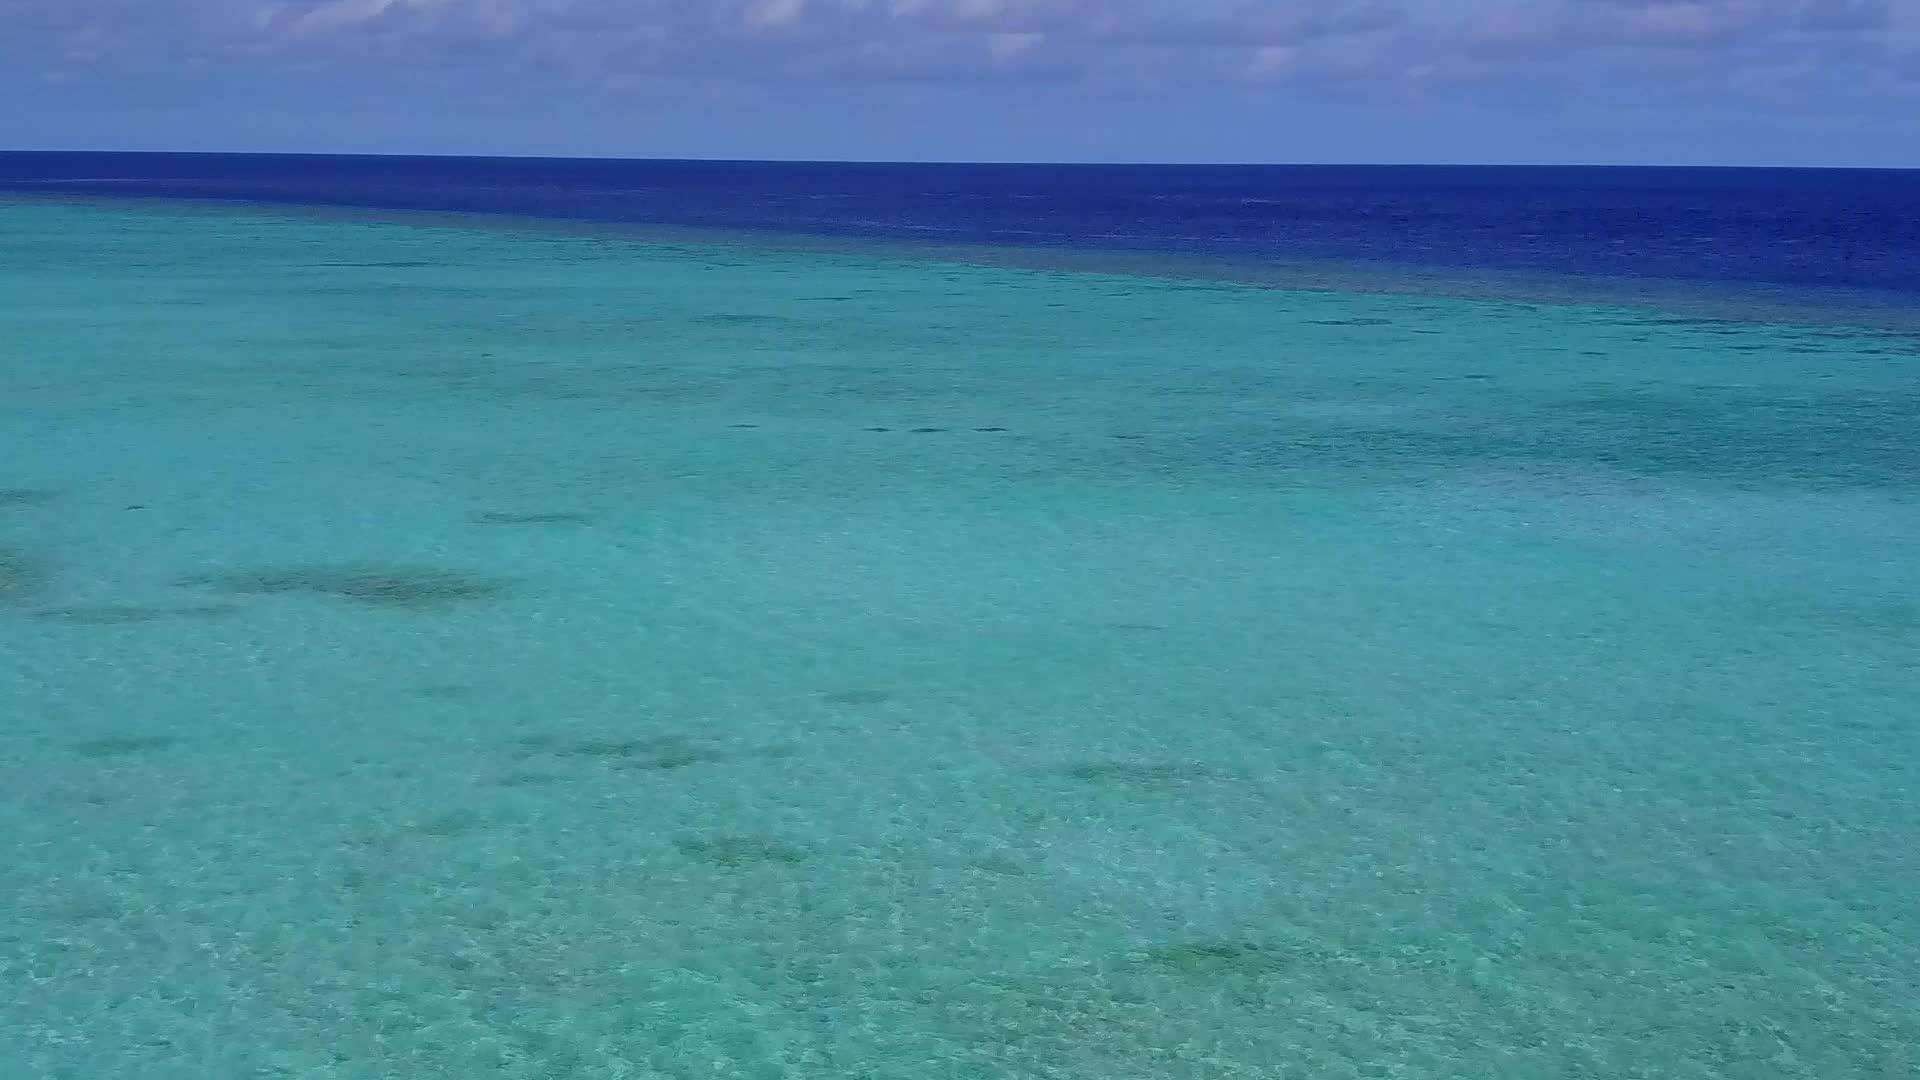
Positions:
{"x": 437, "y": 649}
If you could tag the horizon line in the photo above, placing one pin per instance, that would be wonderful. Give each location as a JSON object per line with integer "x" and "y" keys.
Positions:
{"x": 958, "y": 162}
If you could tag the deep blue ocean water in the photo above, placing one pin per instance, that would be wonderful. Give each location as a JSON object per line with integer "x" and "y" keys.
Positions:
{"x": 1844, "y": 230}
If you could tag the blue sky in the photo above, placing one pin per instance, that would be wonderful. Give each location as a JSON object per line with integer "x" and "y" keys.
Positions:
{"x": 1655, "y": 81}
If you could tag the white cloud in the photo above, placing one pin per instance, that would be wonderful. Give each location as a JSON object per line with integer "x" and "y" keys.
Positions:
{"x": 762, "y": 15}
{"x": 1009, "y": 46}
{"x": 339, "y": 14}
{"x": 1273, "y": 62}
{"x": 1376, "y": 47}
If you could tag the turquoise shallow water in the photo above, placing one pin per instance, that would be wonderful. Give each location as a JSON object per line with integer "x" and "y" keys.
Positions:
{"x": 429, "y": 652}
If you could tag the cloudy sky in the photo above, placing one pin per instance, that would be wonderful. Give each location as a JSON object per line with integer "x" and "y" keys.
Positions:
{"x": 1659, "y": 81}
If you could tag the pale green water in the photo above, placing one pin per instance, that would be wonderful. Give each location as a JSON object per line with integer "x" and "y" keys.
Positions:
{"x": 432, "y": 653}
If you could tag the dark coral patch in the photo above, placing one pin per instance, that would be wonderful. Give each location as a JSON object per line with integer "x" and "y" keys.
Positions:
{"x": 654, "y": 753}
{"x": 1226, "y": 957}
{"x": 501, "y": 517}
{"x": 529, "y": 778}
{"x": 22, "y": 576}
{"x": 15, "y": 498}
{"x": 601, "y": 748}
{"x": 443, "y": 692}
{"x": 857, "y": 697}
{"x": 1141, "y": 774}
{"x": 736, "y": 852}
{"x": 117, "y": 746}
{"x": 416, "y": 588}
{"x": 454, "y": 823}
{"x": 122, "y": 614}
{"x": 669, "y": 759}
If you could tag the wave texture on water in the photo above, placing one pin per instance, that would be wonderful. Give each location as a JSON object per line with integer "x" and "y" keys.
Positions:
{"x": 523, "y": 653}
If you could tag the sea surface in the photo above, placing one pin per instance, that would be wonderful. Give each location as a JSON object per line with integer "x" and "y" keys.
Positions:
{"x": 538, "y": 619}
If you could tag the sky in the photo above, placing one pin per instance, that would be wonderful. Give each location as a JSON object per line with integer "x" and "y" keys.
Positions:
{"x": 1765, "y": 82}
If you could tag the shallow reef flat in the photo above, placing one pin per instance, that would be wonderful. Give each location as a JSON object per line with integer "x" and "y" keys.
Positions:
{"x": 441, "y": 652}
